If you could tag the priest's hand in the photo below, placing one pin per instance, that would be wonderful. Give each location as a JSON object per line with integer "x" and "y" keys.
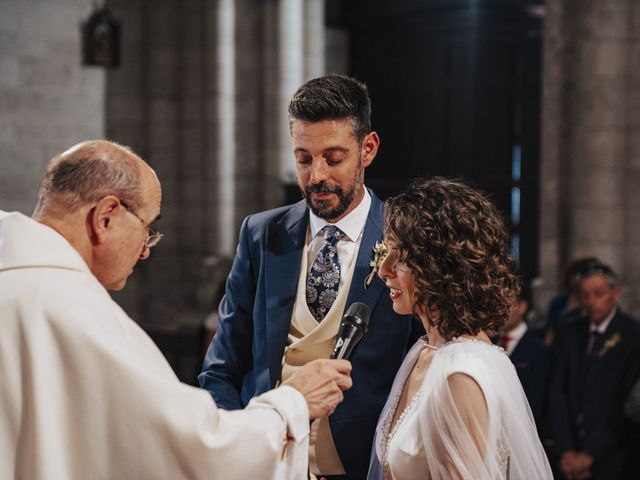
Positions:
{"x": 322, "y": 382}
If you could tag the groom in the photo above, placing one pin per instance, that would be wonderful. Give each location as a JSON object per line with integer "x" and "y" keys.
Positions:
{"x": 296, "y": 270}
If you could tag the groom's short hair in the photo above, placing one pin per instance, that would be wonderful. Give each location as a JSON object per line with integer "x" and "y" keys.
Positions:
{"x": 333, "y": 97}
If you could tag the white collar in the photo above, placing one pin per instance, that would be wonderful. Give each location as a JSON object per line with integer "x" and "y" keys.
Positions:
{"x": 27, "y": 243}
{"x": 351, "y": 224}
{"x": 518, "y": 331}
{"x": 605, "y": 323}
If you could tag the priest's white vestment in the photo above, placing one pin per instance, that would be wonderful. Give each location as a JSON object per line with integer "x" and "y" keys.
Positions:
{"x": 86, "y": 394}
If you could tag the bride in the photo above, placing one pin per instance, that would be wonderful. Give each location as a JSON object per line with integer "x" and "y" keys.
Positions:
{"x": 456, "y": 409}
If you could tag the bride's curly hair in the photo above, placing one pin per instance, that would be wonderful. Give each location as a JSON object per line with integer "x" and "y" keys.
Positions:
{"x": 455, "y": 243}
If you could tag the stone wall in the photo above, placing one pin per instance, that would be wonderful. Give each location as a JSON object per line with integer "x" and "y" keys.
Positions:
{"x": 201, "y": 94}
{"x": 48, "y": 100}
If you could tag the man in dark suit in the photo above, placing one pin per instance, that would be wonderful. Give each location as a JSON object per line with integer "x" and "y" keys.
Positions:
{"x": 296, "y": 270}
{"x": 596, "y": 361}
{"x": 530, "y": 356}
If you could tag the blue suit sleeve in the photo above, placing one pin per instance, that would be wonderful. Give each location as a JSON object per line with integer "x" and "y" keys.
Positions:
{"x": 229, "y": 358}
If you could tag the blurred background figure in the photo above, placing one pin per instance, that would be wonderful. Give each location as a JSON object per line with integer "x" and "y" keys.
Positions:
{"x": 596, "y": 362}
{"x": 566, "y": 304}
{"x": 529, "y": 354}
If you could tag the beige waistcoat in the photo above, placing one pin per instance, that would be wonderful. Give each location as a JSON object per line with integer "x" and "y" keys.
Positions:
{"x": 309, "y": 340}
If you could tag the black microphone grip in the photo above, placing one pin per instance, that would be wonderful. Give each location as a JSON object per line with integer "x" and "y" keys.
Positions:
{"x": 344, "y": 348}
{"x": 354, "y": 325}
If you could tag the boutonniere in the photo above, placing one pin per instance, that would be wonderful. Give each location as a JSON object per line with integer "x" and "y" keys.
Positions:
{"x": 609, "y": 343}
{"x": 378, "y": 254}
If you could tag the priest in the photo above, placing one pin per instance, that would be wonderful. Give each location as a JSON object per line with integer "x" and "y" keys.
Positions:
{"x": 84, "y": 392}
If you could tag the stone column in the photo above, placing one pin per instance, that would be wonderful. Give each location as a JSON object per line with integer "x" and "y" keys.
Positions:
{"x": 294, "y": 40}
{"x": 314, "y": 39}
{"x": 291, "y": 45}
{"x": 226, "y": 125}
{"x": 209, "y": 84}
{"x": 632, "y": 171}
{"x": 597, "y": 96}
{"x": 585, "y": 136}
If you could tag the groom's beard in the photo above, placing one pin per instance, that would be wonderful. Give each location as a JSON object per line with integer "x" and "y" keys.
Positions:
{"x": 323, "y": 208}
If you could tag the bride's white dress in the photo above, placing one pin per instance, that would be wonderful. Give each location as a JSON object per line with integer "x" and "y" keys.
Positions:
{"x": 430, "y": 441}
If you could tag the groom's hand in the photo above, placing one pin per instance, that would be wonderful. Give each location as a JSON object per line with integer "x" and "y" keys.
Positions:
{"x": 322, "y": 382}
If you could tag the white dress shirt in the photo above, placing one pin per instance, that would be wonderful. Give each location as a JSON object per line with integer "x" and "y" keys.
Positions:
{"x": 352, "y": 225}
{"x": 515, "y": 335}
{"x": 605, "y": 323}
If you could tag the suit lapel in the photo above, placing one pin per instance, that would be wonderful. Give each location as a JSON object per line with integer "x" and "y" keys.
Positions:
{"x": 520, "y": 351}
{"x": 613, "y": 328}
{"x": 581, "y": 336}
{"x": 284, "y": 244}
{"x": 373, "y": 231}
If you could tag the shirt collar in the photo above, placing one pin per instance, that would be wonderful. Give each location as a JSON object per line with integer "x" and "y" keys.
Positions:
{"x": 605, "y": 323}
{"x": 518, "y": 332}
{"x": 351, "y": 224}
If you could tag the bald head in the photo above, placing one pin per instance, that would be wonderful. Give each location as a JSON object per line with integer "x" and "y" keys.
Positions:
{"x": 102, "y": 198}
{"x": 86, "y": 173}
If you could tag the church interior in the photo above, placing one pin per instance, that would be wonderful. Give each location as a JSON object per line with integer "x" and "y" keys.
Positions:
{"x": 537, "y": 103}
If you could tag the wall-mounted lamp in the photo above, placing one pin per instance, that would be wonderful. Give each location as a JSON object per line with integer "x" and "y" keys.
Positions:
{"x": 101, "y": 39}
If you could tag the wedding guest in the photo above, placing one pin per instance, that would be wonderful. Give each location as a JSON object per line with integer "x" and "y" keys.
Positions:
{"x": 632, "y": 414}
{"x": 84, "y": 392}
{"x": 456, "y": 408}
{"x": 530, "y": 356}
{"x": 565, "y": 306}
{"x": 596, "y": 361}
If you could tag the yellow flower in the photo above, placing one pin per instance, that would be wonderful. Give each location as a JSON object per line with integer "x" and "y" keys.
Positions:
{"x": 610, "y": 342}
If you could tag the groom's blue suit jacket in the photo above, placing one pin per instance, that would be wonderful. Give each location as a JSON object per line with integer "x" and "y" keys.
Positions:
{"x": 244, "y": 359}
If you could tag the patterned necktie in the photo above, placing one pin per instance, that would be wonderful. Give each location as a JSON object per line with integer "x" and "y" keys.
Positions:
{"x": 596, "y": 340}
{"x": 324, "y": 277}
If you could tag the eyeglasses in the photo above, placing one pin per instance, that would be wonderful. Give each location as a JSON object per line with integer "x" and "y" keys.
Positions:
{"x": 153, "y": 236}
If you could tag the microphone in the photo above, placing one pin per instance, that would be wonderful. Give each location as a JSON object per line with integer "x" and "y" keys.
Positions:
{"x": 353, "y": 326}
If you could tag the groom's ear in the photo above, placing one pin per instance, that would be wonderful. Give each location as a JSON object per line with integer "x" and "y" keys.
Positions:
{"x": 370, "y": 146}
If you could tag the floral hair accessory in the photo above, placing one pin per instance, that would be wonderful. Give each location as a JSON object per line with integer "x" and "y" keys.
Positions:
{"x": 378, "y": 255}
